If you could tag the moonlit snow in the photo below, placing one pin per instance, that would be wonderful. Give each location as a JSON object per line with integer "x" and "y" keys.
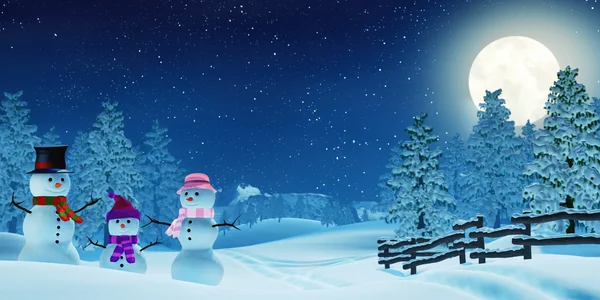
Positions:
{"x": 333, "y": 263}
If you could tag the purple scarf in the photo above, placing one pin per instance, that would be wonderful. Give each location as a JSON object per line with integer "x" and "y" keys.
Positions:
{"x": 124, "y": 244}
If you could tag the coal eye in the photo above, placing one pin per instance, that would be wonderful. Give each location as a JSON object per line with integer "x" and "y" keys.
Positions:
{"x": 186, "y": 193}
{"x": 128, "y": 221}
{"x": 62, "y": 179}
{"x": 50, "y": 179}
{"x": 117, "y": 221}
{"x": 197, "y": 194}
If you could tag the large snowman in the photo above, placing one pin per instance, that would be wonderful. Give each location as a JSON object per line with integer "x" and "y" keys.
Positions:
{"x": 49, "y": 226}
{"x": 123, "y": 252}
{"x": 197, "y": 231}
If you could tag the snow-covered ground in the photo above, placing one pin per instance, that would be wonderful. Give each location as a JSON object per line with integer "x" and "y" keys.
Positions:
{"x": 334, "y": 263}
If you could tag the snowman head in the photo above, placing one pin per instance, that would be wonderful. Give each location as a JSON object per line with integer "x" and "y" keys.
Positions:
{"x": 49, "y": 184}
{"x": 197, "y": 198}
{"x": 123, "y": 218}
{"x": 124, "y": 226}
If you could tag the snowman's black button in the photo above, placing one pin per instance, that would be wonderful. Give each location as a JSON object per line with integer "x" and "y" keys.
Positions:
{"x": 190, "y": 222}
{"x": 189, "y": 238}
{"x": 121, "y": 256}
{"x": 57, "y": 234}
{"x": 56, "y": 241}
{"x": 189, "y": 230}
{"x": 58, "y": 227}
{"x": 58, "y": 219}
{"x": 121, "y": 265}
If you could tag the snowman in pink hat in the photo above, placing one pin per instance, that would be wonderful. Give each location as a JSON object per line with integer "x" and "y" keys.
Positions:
{"x": 197, "y": 231}
{"x": 123, "y": 252}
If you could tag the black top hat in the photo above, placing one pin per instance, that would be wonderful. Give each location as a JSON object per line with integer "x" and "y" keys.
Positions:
{"x": 50, "y": 159}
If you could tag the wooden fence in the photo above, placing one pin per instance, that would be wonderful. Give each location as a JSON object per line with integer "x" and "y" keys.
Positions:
{"x": 412, "y": 252}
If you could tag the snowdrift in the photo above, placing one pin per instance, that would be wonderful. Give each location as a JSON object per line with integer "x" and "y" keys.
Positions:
{"x": 334, "y": 263}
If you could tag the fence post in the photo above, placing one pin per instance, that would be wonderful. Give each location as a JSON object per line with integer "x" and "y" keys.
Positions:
{"x": 413, "y": 269}
{"x": 480, "y": 240}
{"x": 386, "y": 253}
{"x": 463, "y": 253}
{"x": 527, "y": 248}
{"x": 462, "y": 256}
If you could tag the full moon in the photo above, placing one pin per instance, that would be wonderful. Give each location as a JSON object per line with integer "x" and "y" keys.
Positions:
{"x": 523, "y": 68}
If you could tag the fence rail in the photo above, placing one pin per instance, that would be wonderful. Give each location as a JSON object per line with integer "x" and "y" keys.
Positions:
{"x": 412, "y": 252}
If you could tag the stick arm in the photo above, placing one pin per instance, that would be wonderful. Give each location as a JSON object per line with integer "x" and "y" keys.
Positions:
{"x": 17, "y": 204}
{"x": 152, "y": 220}
{"x": 94, "y": 243}
{"x": 89, "y": 203}
{"x": 151, "y": 244}
{"x": 232, "y": 224}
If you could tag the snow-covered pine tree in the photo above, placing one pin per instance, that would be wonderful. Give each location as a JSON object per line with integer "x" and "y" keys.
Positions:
{"x": 263, "y": 206}
{"x": 16, "y": 158}
{"x": 528, "y": 136}
{"x": 248, "y": 212}
{"x": 596, "y": 104}
{"x": 567, "y": 152}
{"x": 494, "y": 183}
{"x": 300, "y": 208}
{"x": 328, "y": 214}
{"x": 343, "y": 213}
{"x": 365, "y": 215}
{"x": 251, "y": 214}
{"x": 50, "y": 138}
{"x": 162, "y": 176}
{"x": 423, "y": 203}
{"x": 526, "y": 156}
{"x": 111, "y": 162}
{"x": 387, "y": 194}
{"x": 84, "y": 183}
{"x": 278, "y": 208}
{"x": 454, "y": 165}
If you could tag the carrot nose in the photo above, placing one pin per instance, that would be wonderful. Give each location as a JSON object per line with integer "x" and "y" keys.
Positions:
{"x": 122, "y": 225}
{"x": 58, "y": 184}
{"x": 189, "y": 199}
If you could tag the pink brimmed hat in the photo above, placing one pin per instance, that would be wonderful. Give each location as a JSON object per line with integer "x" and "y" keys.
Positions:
{"x": 196, "y": 181}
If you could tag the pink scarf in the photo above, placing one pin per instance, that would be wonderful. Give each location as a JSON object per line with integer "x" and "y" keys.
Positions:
{"x": 188, "y": 213}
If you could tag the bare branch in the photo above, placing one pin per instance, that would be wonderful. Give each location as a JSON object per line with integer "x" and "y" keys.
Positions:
{"x": 17, "y": 204}
{"x": 232, "y": 224}
{"x": 90, "y": 203}
{"x": 151, "y": 244}
{"x": 94, "y": 243}
{"x": 155, "y": 221}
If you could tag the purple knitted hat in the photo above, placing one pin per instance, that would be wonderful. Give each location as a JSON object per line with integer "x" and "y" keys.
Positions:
{"x": 121, "y": 209}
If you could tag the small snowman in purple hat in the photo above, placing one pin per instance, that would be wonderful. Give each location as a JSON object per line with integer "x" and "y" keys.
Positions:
{"x": 123, "y": 252}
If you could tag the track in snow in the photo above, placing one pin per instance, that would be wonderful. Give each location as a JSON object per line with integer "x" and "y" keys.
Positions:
{"x": 301, "y": 278}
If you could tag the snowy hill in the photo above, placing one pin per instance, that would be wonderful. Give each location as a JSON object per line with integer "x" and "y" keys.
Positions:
{"x": 334, "y": 263}
{"x": 10, "y": 245}
{"x": 266, "y": 231}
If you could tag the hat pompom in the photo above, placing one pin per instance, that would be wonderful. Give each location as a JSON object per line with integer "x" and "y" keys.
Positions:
{"x": 111, "y": 194}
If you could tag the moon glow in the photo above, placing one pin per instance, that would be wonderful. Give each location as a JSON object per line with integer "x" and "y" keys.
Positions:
{"x": 523, "y": 68}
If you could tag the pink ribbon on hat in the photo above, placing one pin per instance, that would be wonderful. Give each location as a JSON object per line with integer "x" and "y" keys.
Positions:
{"x": 184, "y": 212}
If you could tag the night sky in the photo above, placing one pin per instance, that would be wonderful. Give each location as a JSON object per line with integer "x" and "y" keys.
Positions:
{"x": 288, "y": 96}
